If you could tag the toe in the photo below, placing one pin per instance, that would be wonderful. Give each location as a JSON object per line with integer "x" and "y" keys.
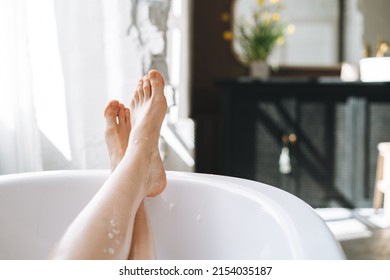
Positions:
{"x": 121, "y": 115}
{"x": 132, "y": 104}
{"x": 153, "y": 73}
{"x": 111, "y": 112}
{"x": 140, "y": 90}
{"x": 146, "y": 87}
{"x": 127, "y": 117}
{"x": 135, "y": 100}
{"x": 156, "y": 79}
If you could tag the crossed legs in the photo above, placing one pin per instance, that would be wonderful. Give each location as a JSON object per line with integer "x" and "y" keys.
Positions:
{"x": 114, "y": 225}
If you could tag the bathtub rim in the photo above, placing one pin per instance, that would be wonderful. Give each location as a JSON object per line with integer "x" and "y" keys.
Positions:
{"x": 269, "y": 193}
{"x": 255, "y": 190}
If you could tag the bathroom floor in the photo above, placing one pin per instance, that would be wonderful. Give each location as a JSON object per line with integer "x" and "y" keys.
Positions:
{"x": 375, "y": 247}
{"x": 362, "y": 233}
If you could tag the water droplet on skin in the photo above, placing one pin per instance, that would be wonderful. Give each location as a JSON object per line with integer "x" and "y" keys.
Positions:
{"x": 111, "y": 251}
{"x": 116, "y": 231}
{"x": 117, "y": 241}
{"x": 198, "y": 218}
{"x": 171, "y": 205}
{"x": 110, "y": 235}
{"x": 113, "y": 223}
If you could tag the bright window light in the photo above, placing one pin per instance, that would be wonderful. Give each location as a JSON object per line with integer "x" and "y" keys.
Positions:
{"x": 7, "y": 112}
{"x": 176, "y": 8}
{"x": 47, "y": 76}
{"x": 172, "y": 140}
{"x": 176, "y": 57}
{"x": 7, "y": 67}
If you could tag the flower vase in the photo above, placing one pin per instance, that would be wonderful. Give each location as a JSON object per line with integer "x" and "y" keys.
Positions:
{"x": 259, "y": 69}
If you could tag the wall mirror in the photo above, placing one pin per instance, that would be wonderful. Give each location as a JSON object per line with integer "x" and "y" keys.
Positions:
{"x": 315, "y": 40}
{"x": 326, "y": 31}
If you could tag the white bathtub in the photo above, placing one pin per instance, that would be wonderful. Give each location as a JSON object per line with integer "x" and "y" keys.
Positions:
{"x": 197, "y": 217}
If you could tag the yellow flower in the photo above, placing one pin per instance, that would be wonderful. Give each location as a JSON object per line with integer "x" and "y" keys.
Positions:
{"x": 264, "y": 31}
{"x": 291, "y": 29}
{"x": 266, "y": 16}
{"x": 225, "y": 17}
{"x": 228, "y": 35}
{"x": 281, "y": 41}
{"x": 276, "y": 17}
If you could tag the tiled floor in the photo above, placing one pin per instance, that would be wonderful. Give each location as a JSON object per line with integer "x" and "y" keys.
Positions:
{"x": 361, "y": 232}
{"x": 375, "y": 247}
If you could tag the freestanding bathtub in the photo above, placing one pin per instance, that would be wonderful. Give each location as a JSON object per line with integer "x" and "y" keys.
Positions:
{"x": 198, "y": 216}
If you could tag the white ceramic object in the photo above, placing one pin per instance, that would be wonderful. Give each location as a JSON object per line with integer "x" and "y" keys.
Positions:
{"x": 198, "y": 216}
{"x": 259, "y": 70}
{"x": 375, "y": 69}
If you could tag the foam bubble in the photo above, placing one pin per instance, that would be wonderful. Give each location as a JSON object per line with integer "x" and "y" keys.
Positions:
{"x": 111, "y": 251}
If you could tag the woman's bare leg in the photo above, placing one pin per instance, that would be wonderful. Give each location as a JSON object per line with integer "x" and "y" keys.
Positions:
{"x": 104, "y": 228}
{"x": 117, "y": 133}
{"x": 142, "y": 245}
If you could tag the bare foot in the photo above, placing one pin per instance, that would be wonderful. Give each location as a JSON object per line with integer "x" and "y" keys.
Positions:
{"x": 148, "y": 109}
{"x": 117, "y": 132}
{"x": 117, "y": 137}
{"x": 140, "y": 173}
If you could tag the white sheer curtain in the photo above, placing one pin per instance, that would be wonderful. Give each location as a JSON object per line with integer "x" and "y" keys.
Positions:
{"x": 61, "y": 61}
{"x": 19, "y": 138}
{"x": 100, "y": 62}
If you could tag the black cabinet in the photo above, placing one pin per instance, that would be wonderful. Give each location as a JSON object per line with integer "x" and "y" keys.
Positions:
{"x": 330, "y": 129}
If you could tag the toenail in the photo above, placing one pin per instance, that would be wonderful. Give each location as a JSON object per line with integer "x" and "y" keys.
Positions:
{"x": 114, "y": 105}
{"x": 152, "y": 75}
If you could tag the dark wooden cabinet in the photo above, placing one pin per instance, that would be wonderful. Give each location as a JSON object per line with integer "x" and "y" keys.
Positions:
{"x": 334, "y": 128}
